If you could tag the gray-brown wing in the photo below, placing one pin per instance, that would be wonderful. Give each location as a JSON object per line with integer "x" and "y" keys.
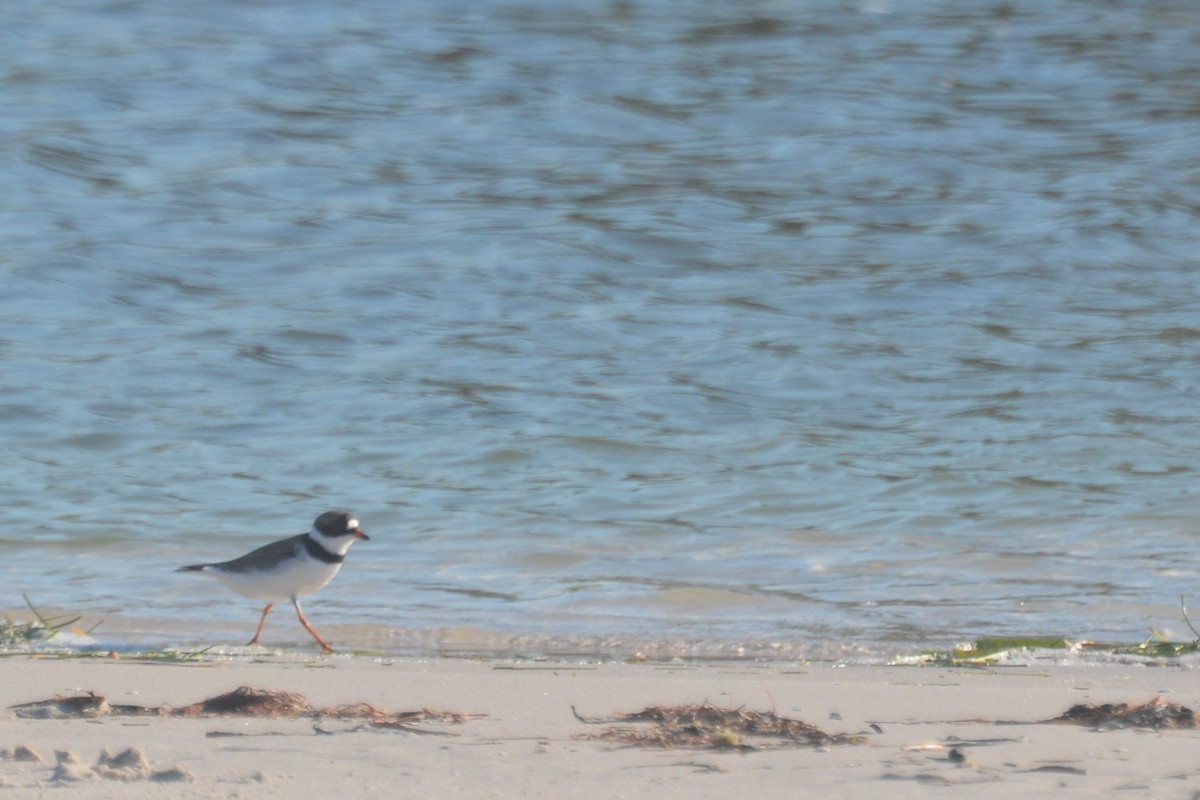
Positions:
{"x": 266, "y": 556}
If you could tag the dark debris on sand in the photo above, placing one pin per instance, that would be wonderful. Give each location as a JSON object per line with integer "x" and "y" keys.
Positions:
{"x": 241, "y": 702}
{"x": 1156, "y": 714}
{"x": 706, "y": 726}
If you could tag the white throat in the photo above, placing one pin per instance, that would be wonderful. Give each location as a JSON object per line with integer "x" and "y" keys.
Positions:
{"x": 337, "y": 545}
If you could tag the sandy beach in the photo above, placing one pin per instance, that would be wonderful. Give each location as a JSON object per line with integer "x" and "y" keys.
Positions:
{"x": 522, "y": 738}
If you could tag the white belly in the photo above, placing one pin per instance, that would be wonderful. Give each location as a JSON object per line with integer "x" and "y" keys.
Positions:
{"x": 293, "y": 577}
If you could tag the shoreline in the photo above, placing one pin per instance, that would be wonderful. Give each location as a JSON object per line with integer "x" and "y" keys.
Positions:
{"x": 523, "y": 734}
{"x": 131, "y": 636}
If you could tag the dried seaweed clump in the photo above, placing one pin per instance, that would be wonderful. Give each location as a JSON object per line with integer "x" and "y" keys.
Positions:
{"x": 241, "y": 702}
{"x": 1157, "y": 714}
{"x": 248, "y": 702}
{"x": 706, "y": 726}
{"x": 85, "y": 706}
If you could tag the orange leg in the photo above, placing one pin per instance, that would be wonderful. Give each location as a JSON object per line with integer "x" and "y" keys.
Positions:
{"x": 261, "y": 622}
{"x": 324, "y": 644}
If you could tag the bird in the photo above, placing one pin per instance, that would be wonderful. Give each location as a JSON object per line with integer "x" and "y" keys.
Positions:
{"x": 290, "y": 568}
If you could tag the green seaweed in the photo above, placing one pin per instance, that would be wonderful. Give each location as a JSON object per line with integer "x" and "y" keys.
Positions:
{"x": 991, "y": 650}
{"x": 42, "y": 628}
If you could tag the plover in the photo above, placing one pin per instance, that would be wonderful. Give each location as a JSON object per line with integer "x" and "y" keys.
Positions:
{"x": 290, "y": 568}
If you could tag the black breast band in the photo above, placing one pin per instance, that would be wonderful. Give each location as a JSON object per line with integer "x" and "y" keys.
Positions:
{"x": 320, "y": 553}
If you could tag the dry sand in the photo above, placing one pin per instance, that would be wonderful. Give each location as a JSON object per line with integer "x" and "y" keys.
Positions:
{"x": 529, "y": 742}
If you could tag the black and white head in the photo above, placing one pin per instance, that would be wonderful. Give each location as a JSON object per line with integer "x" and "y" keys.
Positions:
{"x": 336, "y": 531}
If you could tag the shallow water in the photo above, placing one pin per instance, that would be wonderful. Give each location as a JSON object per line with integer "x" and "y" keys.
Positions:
{"x": 808, "y": 323}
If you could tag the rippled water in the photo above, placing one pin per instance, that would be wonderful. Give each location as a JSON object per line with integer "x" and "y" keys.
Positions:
{"x": 864, "y": 323}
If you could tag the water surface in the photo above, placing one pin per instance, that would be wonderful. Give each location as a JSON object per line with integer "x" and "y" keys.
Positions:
{"x": 827, "y": 325}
